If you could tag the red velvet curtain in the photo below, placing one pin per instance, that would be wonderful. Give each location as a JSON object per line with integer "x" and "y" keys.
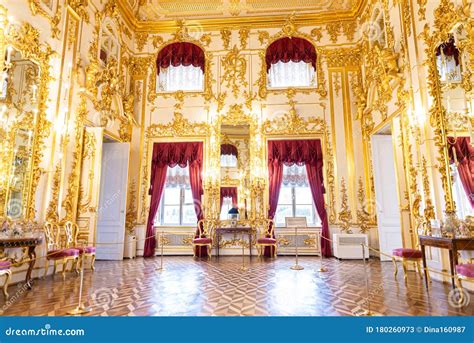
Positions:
{"x": 229, "y": 149}
{"x": 449, "y": 49}
{"x": 315, "y": 179}
{"x": 229, "y": 192}
{"x": 182, "y": 53}
{"x": 290, "y": 49}
{"x": 462, "y": 152}
{"x": 301, "y": 152}
{"x": 170, "y": 155}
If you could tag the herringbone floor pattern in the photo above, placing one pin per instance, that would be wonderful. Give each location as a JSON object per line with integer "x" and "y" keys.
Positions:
{"x": 189, "y": 287}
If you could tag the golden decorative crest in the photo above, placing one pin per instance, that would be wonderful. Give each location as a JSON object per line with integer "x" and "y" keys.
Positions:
{"x": 345, "y": 215}
{"x": 179, "y": 126}
{"x": 291, "y": 123}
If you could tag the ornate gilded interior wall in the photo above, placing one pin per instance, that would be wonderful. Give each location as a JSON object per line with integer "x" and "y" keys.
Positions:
{"x": 375, "y": 67}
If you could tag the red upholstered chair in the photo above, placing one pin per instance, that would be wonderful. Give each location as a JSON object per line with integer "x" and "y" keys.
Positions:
{"x": 58, "y": 249}
{"x": 85, "y": 250}
{"x": 407, "y": 255}
{"x": 464, "y": 272}
{"x": 5, "y": 270}
{"x": 204, "y": 238}
{"x": 266, "y": 238}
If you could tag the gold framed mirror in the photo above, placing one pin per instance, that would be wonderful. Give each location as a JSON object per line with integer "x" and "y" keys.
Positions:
{"x": 23, "y": 125}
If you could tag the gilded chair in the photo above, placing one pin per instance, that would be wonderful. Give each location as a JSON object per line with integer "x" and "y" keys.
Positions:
{"x": 58, "y": 249}
{"x": 5, "y": 269}
{"x": 204, "y": 237}
{"x": 406, "y": 256}
{"x": 265, "y": 238}
{"x": 85, "y": 250}
{"x": 464, "y": 272}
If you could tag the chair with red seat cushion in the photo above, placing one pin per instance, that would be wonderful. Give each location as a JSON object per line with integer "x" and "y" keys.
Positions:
{"x": 85, "y": 250}
{"x": 266, "y": 238}
{"x": 5, "y": 270}
{"x": 464, "y": 272}
{"x": 204, "y": 237}
{"x": 406, "y": 255}
{"x": 58, "y": 249}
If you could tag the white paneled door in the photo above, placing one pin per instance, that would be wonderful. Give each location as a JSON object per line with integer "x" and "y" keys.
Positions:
{"x": 112, "y": 201}
{"x": 388, "y": 212}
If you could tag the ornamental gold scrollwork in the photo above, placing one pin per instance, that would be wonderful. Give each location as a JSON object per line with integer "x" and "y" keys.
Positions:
{"x": 363, "y": 215}
{"x": 36, "y": 7}
{"x": 291, "y": 123}
{"x": 235, "y": 69}
{"x": 345, "y": 214}
{"x": 446, "y": 17}
{"x": 25, "y": 39}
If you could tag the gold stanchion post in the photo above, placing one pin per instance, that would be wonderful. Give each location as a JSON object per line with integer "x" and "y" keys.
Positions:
{"x": 243, "y": 267}
{"x": 161, "y": 268}
{"x": 321, "y": 269}
{"x": 81, "y": 308}
{"x": 296, "y": 266}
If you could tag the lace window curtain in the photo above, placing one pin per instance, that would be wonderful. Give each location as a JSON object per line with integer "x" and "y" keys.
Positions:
{"x": 177, "y": 177}
{"x": 295, "y": 176}
{"x": 291, "y": 74}
{"x": 186, "y": 78}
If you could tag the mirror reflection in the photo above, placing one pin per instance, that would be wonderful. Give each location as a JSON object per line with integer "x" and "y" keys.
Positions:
{"x": 234, "y": 171}
{"x": 19, "y": 108}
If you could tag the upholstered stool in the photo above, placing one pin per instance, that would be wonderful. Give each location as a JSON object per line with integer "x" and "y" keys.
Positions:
{"x": 5, "y": 270}
{"x": 464, "y": 272}
{"x": 406, "y": 255}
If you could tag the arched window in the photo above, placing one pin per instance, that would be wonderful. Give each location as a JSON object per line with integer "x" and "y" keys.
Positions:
{"x": 180, "y": 66}
{"x": 291, "y": 62}
{"x": 447, "y": 60}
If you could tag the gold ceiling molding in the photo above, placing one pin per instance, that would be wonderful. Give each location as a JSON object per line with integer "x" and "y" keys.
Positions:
{"x": 269, "y": 19}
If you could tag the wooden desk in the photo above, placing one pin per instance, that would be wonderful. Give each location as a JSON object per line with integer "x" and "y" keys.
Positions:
{"x": 24, "y": 242}
{"x": 239, "y": 229}
{"x": 452, "y": 244}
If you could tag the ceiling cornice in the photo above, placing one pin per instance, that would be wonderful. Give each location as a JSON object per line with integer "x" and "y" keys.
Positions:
{"x": 261, "y": 21}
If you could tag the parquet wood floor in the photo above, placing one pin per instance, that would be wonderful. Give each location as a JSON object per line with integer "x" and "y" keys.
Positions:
{"x": 189, "y": 287}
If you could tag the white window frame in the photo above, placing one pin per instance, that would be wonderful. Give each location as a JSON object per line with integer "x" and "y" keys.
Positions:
{"x": 314, "y": 222}
{"x": 182, "y": 204}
